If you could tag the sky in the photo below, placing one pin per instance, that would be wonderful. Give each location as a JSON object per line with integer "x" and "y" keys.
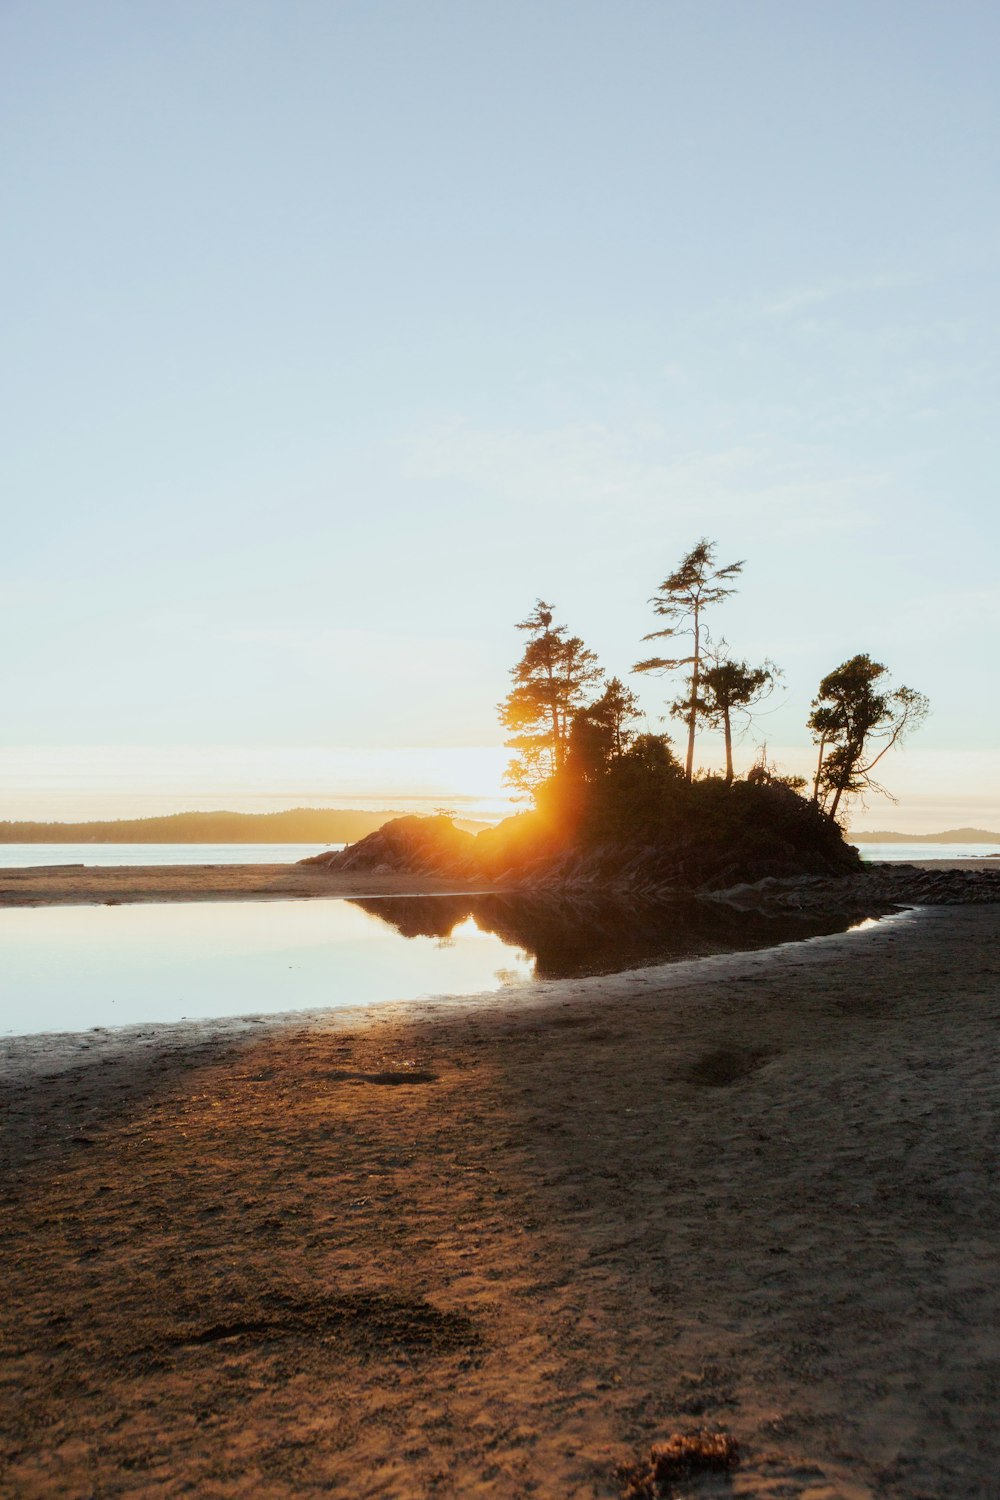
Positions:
{"x": 335, "y": 334}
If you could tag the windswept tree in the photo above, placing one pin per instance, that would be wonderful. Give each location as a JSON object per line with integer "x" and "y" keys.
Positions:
{"x": 857, "y": 717}
{"x": 550, "y": 684}
{"x": 682, "y": 598}
{"x": 729, "y": 690}
{"x": 600, "y": 734}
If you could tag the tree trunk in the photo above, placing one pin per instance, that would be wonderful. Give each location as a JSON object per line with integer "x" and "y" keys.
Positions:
{"x": 819, "y": 770}
{"x": 693, "y": 706}
{"x": 554, "y": 710}
{"x": 727, "y": 729}
{"x": 855, "y": 747}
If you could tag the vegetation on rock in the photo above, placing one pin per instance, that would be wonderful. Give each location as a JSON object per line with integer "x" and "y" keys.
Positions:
{"x": 613, "y": 805}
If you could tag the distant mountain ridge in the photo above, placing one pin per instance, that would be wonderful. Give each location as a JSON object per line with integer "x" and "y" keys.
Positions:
{"x": 300, "y": 825}
{"x": 950, "y": 836}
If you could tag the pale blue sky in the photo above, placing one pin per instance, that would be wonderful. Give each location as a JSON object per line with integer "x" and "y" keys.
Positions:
{"x": 333, "y": 334}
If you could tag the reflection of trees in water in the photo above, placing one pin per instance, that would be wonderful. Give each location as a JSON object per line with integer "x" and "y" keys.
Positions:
{"x": 568, "y": 938}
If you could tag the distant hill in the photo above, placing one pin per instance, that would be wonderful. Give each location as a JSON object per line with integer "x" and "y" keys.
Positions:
{"x": 301, "y": 825}
{"x": 950, "y": 836}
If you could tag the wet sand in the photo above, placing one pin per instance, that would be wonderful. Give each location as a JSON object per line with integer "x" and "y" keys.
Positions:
{"x": 79, "y": 885}
{"x": 494, "y": 1248}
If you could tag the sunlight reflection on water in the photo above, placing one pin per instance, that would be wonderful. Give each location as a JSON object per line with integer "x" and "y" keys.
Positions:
{"x": 72, "y": 968}
{"x": 75, "y": 967}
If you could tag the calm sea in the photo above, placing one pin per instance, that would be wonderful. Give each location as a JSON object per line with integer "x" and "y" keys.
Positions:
{"x": 23, "y": 856}
{"x": 910, "y": 852}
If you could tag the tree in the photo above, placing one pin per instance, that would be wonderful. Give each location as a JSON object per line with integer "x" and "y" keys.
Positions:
{"x": 730, "y": 688}
{"x": 599, "y": 734}
{"x": 550, "y": 683}
{"x": 857, "y": 717}
{"x": 694, "y": 586}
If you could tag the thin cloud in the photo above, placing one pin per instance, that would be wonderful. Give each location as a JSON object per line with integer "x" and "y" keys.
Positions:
{"x": 798, "y": 299}
{"x": 640, "y": 470}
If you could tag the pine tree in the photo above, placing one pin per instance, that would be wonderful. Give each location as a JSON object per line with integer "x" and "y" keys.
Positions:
{"x": 551, "y": 682}
{"x": 694, "y": 586}
{"x": 600, "y": 734}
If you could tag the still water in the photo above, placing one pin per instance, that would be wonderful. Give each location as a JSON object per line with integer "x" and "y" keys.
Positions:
{"x": 911, "y": 852}
{"x": 29, "y": 856}
{"x": 24, "y": 856}
{"x": 74, "y": 968}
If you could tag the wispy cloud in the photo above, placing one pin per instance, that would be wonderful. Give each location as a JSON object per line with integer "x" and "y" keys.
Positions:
{"x": 798, "y": 299}
{"x": 588, "y": 470}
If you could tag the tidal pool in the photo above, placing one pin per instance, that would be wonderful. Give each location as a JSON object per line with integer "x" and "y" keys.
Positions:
{"x": 78, "y": 967}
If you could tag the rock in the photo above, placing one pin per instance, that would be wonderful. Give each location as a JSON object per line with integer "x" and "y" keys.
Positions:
{"x": 797, "y": 864}
{"x": 411, "y": 845}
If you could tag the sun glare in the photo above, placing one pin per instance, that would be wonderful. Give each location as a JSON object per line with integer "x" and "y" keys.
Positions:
{"x": 80, "y": 782}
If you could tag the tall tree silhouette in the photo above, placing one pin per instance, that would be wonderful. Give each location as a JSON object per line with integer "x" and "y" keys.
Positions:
{"x": 600, "y": 734}
{"x": 682, "y": 598}
{"x": 730, "y": 689}
{"x": 857, "y": 717}
{"x": 550, "y": 683}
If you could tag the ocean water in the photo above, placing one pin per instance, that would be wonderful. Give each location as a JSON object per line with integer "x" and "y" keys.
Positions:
{"x": 24, "y": 856}
{"x": 907, "y": 853}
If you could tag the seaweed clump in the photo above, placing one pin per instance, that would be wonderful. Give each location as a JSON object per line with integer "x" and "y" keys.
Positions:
{"x": 682, "y": 1456}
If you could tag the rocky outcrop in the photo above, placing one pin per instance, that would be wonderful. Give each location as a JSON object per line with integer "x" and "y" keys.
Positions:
{"x": 876, "y": 887}
{"x": 731, "y": 835}
{"x": 409, "y": 846}
{"x": 778, "y": 866}
{"x": 525, "y": 851}
{"x": 683, "y": 867}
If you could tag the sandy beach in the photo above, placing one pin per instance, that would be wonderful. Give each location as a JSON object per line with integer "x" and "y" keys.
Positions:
{"x": 75, "y": 885}
{"x": 496, "y": 1247}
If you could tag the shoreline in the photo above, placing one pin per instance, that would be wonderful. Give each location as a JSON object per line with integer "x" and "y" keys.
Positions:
{"x": 94, "y": 885}
{"x": 464, "y": 1248}
{"x": 34, "y": 1051}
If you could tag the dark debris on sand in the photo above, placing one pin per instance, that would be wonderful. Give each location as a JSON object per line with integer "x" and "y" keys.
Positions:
{"x": 684, "y": 1455}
